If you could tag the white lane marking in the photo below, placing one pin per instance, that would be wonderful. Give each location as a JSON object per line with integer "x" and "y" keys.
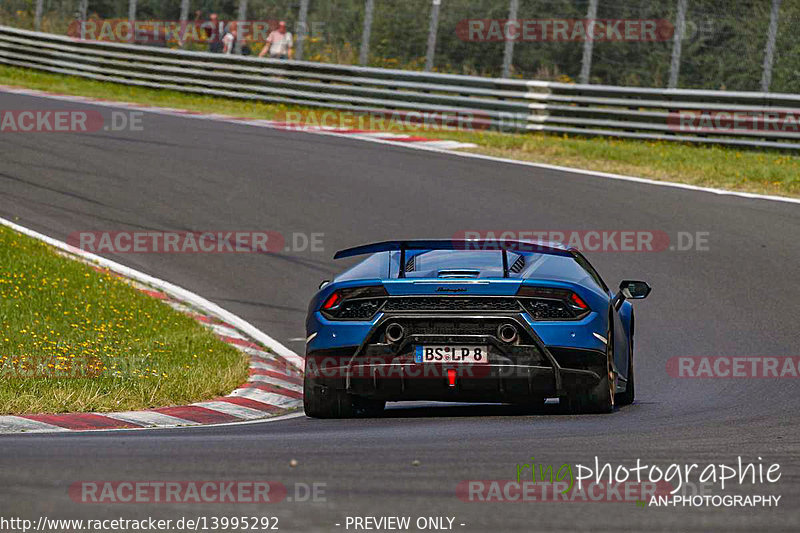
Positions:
{"x": 378, "y": 135}
{"x": 257, "y": 365}
{"x": 450, "y": 145}
{"x": 278, "y": 418}
{"x": 228, "y": 332}
{"x": 447, "y": 145}
{"x": 270, "y": 398}
{"x": 257, "y": 353}
{"x": 11, "y": 424}
{"x": 173, "y": 290}
{"x": 185, "y": 309}
{"x": 150, "y": 419}
{"x": 412, "y": 146}
{"x": 239, "y": 411}
{"x": 257, "y": 378}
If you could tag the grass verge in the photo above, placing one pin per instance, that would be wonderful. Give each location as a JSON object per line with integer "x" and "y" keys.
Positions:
{"x": 75, "y": 339}
{"x": 766, "y": 172}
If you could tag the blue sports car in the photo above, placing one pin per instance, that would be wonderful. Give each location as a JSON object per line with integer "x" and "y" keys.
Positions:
{"x": 469, "y": 321}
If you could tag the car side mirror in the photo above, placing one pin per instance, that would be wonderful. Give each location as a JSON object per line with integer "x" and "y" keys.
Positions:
{"x": 634, "y": 290}
{"x": 629, "y": 289}
{"x": 324, "y": 282}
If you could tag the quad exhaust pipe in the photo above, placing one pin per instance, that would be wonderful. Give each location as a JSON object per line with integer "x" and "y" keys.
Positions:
{"x": 507, "y": 333}
{"x": 395, "y": 333}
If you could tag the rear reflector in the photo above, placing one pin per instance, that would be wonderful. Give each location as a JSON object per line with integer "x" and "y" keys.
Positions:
{"x": 332, "y": 300}
{"x": 577, "y": 301}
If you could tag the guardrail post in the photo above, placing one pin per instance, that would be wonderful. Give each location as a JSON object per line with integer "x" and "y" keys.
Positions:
{"x": 432, "y": 29}
{"x": 242, "y": 16}
{"x": 363, "y": 55}
{"x": 37, "y": 17}
{"x": 131, "y": 11}
{"x": 588, "y": 44}
{"x": 508, "y": 52}
{"x": 83, "y": 9}
{"x": 302, "y": 30}
{"x": 677, "y": 43}
{"x": 184, "y": 17}
{"x": 769, "y": 49}
{"x": 132, "y": 19}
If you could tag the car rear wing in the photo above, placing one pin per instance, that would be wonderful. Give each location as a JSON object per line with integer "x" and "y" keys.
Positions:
{"x": 456, "y": 244}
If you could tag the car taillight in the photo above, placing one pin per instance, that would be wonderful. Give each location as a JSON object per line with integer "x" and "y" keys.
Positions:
{"x": 577, "y": 303}
{"x": 547, "y": 303}
{"x": 356, "y": 303}
{"x": 333, "y": 300}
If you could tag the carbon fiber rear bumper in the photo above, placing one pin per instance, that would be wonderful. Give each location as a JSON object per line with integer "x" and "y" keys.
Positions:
{"x": 527, "y": 376}
{"x": 524, "y": 370}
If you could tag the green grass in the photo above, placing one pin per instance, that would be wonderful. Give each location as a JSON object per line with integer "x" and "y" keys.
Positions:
{"x": 76, "y": 339}
{"x": 769, "y": 172}
{"x": 765, "y": 172}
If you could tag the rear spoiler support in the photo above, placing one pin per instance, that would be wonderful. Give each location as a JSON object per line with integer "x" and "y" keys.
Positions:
{"x": 402, "y": 269}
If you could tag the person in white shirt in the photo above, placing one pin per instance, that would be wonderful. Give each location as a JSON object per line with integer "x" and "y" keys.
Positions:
{"x": 279, "y": 43}
{"x": 229, "y": 40}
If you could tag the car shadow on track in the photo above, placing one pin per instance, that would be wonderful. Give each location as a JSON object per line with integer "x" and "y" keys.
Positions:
{"x": 432, "y": 410}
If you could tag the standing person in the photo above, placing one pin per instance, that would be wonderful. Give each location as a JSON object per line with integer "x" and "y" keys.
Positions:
{"x": 213, "y": 30}
{"x": 231, "y": 38}
{"x": 279, "y": 43}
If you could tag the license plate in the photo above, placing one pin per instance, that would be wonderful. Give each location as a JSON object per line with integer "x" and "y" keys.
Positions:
{"x": 452, "y": 354}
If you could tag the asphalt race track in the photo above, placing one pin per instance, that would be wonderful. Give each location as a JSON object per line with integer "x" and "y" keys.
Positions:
{"x": 739, "y": 297}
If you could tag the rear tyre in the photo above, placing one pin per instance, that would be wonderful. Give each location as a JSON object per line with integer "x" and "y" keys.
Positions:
{"x": 328, "y": 402}
{"x": 600, "y": 399}
{"x": 627, "y": 397}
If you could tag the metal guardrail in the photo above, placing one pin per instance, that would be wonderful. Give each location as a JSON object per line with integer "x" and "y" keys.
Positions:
{"x": 592, "y": 110}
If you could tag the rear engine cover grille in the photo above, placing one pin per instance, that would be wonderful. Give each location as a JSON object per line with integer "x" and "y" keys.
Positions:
{"x": 451, "y": 303}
